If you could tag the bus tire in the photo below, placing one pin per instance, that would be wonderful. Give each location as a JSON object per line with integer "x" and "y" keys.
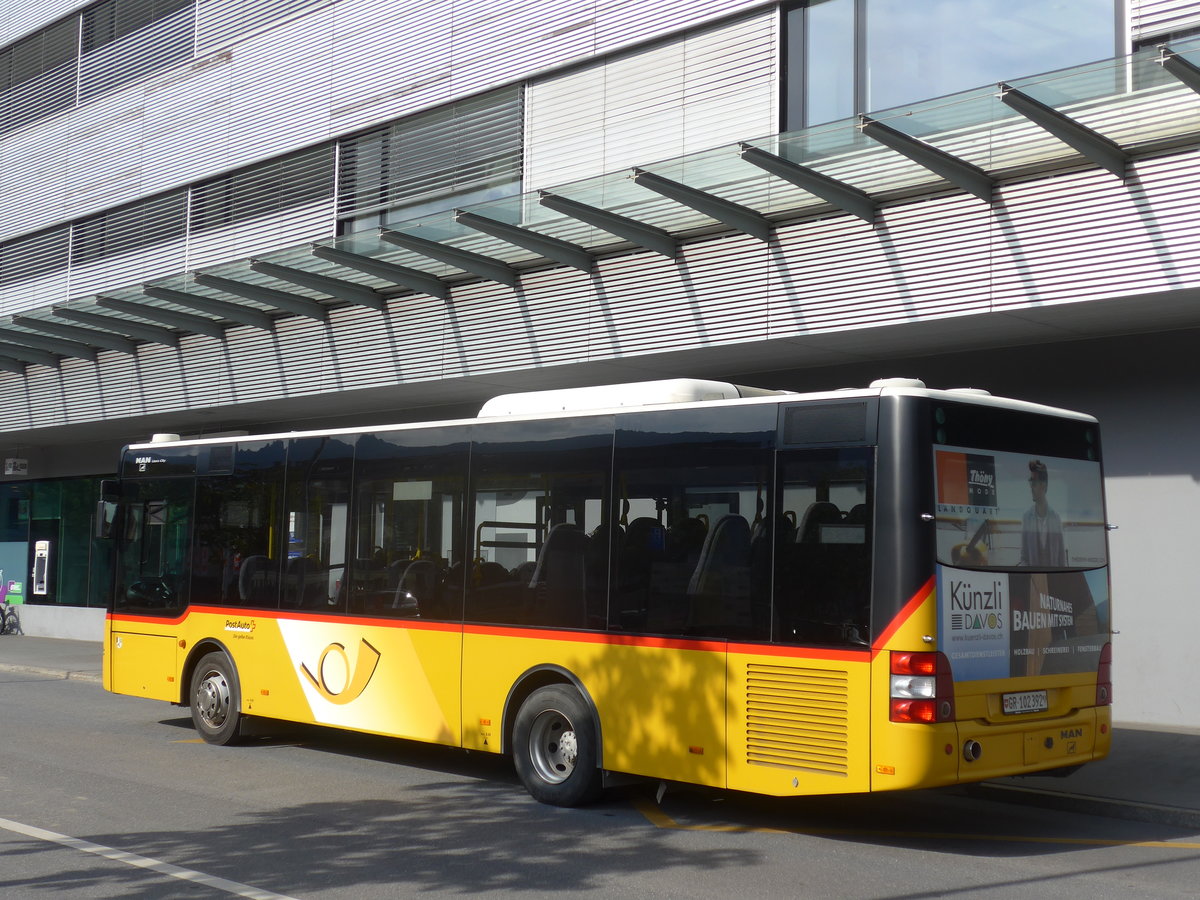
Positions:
{"x": 555, "y": 747}
{"x": 215, "y": 699}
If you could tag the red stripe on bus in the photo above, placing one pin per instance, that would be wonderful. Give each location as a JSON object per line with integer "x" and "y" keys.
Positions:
{"x": 909, "y": 610}
{"x": 295, "y": 615}
{"x": 153, "y": 620}
{"x": 531, "y": 633}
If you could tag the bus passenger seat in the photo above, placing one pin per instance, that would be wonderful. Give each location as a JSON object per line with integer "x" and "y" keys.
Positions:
{"x": 420, "y": 583}
{"x": 560, "y": 577}
{"x": 305, "y": 584}
{"x": 719, "y": 589}
{"x": 255, "y": 582}
{"x": 820, "y": 513}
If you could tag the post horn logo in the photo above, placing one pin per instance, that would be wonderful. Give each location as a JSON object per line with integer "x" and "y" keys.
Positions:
{"x": 356, "y": 683}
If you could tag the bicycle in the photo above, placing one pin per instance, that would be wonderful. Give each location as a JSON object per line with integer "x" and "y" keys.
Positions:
{"x": 10, "y": 623}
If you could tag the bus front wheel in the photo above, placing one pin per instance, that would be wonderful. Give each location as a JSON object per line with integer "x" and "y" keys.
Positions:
{"x": 215, "y": 699}
{"x": 555, "y": 747}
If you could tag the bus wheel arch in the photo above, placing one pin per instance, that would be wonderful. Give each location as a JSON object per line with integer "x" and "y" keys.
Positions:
{"x": 552, "y": 731}
{"x": 214, "y": 694}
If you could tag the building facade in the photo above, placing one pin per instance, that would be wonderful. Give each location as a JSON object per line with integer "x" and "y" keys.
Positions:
{"x": 225, "y": 216}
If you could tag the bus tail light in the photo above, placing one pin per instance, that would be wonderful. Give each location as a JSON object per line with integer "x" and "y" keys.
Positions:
{"x": 922, "y": 687}
{"x": 1104, "y": 677}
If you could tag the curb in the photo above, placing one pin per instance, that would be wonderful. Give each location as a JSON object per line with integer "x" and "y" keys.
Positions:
{"x": 81, "y": 675}
{"x": 1111, "y": 807}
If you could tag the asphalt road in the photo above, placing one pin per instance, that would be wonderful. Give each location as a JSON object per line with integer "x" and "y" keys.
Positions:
{"x": 106, "y": 796}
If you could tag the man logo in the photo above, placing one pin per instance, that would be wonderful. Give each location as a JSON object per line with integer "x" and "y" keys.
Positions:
{"x": 349, "y": 687}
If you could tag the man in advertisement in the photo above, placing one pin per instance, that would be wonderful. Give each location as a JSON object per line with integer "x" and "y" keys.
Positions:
{"x": 1042, "y": 543}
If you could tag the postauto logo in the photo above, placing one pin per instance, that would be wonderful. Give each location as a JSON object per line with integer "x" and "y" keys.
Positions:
{"x": 342, "y": 690}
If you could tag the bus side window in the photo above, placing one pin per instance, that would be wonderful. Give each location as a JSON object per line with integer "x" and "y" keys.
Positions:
{"x": 154, "y": 546}
{"x": 823, "y": 576}
{"x": 691, "y": 559}
{"x": 316, "y": 519}
{"x": 407, "y": 556}
{"x": 238, "y": 519}
{"x": 540, "y": 532}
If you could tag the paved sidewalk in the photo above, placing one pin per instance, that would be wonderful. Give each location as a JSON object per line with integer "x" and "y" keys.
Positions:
{"x": 77, "y": 660}
{"x": 1151, "y": 775}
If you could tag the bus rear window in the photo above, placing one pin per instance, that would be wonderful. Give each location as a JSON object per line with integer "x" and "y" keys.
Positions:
{"x": 1008, "y": 510}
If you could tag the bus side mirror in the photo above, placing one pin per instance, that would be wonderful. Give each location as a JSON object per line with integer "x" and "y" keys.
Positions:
{"x": 106, "y": 519}
{"x": 106, "y": 509}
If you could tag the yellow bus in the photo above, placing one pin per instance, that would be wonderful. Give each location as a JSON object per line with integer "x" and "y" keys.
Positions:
{"x": 789, "y": 594}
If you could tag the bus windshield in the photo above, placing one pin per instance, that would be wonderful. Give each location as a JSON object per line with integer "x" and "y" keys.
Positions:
{"x": 1003, "y": 510}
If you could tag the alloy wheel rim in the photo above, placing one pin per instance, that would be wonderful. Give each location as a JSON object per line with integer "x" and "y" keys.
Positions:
{"x": 212, "y": 699}
{"x": 553, "y": 746}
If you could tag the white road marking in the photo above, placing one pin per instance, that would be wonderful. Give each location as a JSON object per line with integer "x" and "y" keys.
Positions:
{"x": 143, "y": 862}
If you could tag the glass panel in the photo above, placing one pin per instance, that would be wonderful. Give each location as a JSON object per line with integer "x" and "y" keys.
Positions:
{"x": 263, "y": 189}
{"x": 316, "y": 518}
{"x": 14, "y": 513}
{"x": 32, "y": 255}
{"x": 111, "y": 20}
{"x": 823, "y": 543}
{"x": 238, "y": 522}
{"x": 14, "y": 541}
{"x": 1000, "y": 510}
{"x": 693, "y": 548}
{"x": 77, "y": 510}
{"x": 930, "y": 49}
{"x": 829, "y": 62}
{"x": 134, "y": 227}
{"x": 409, "y": 557}
{"x": 152, "y": 548}
{"x": 541, "y": 523}
{"x": 462, "y": 152}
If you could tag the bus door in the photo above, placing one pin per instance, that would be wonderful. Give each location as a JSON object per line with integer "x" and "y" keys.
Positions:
{"x": 150, "y": 588}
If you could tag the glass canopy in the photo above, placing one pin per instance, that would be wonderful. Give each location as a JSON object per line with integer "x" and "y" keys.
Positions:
{"x": 1101, "y": 114}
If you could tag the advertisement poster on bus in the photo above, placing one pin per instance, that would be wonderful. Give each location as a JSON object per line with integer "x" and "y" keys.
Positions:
{"x": 1022, "y": 577}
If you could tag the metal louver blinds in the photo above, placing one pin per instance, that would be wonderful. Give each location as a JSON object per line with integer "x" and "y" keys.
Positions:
{"x": 108, "y": 44}
{"x": 456, "y": 149}
{"x": 133, "y": 227}
{"x": 1162, "y": 17}
{"x": 111, "y": 20}
{"x": 264, "y": 188}
{"x": 38, "y": 54}
{"x": 34, "y": 254}
{"x": 126, "y": 39}
{"x": 37, "y": 75}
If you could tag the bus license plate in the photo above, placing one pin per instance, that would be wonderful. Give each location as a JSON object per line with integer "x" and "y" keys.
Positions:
{"x": 1024, "y": 702}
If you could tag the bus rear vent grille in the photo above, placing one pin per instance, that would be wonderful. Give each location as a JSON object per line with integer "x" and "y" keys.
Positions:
{"x": 797, "y": 718}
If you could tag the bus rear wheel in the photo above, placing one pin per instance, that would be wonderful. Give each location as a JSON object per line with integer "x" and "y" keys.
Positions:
{"x": 555, "y": 747}
{"x": 216, "y": 699}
